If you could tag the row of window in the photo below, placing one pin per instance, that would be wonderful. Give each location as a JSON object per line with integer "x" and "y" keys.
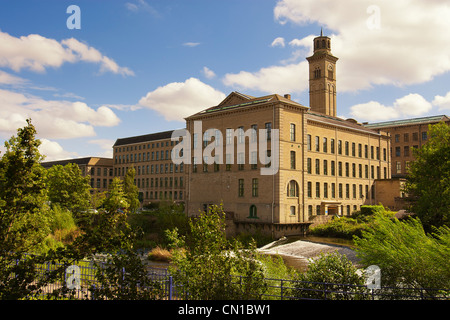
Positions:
{"x": 345, "y": 148}
{"x": 321, "y": 167}
{"x": 143, "y": 146}
{"x": 254, "y": 187}
{"x": 319, "y": 209}
{"x": 406, "y": 151}
{"x": 151, "y": 169}
{"x": 142, "y": 157}
{"x": 166, "y": 195}
{"x": 100, "y": 171}
{"x": 415, "y": 137}
{"x": 167, "y": 182}
{"x": 328, "y": 190}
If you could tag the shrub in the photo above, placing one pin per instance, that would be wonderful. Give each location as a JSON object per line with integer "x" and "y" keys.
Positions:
{"x": 330, "y": 276}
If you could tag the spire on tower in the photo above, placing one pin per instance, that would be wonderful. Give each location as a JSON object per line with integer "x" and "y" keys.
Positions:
{"x": 321, "y": 32}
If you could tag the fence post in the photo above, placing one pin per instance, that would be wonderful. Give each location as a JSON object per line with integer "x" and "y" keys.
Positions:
{"x": 170, "y": 287}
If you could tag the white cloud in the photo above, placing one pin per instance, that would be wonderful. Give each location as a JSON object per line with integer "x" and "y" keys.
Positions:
{"x": 278, "y": 42}
{"x": 404, "y": 48}
{"x": 442, "y": 102}
{"x": 52, "y": 118}
{"x": 36, "y": 53}
{"x": 177, "y": 100}
{"x": 141, "y": 5}
{"x": 274, "y": 79}
{"x": 6, "y": 78}
{"x": 191, "y": 44}
{"x": 208, "y": 73}
{"x": 105, "y": 146}
{"x": 53, "y": 151}
{"x": 408, "y": 46}
{"x": 408, "y": 106}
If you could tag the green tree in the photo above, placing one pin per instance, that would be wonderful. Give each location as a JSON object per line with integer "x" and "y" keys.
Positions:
{"x": 68, "y": 188}
{"x": 331, "y": 276}
{"x": 131, "y": 190}
{"x": 210, "y": 267}
{"x": 24, "y": 215}
{"x": 406, "y": 255}
{"x": 428, "y": 180}
{"x": 116, "y": 198}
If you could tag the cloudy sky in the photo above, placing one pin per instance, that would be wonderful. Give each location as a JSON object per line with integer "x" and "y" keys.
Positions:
{"x": 139, "y": 66}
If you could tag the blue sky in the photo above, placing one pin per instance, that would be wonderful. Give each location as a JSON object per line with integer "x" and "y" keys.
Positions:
{"x": 137, "y": 67}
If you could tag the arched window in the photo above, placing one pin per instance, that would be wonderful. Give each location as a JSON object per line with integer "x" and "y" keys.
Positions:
{"x": 252, "y": 212}
{"x": 292, "y": 190}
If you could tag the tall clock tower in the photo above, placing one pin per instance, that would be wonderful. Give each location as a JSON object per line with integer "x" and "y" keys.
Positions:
{"x": 322, "y": 77}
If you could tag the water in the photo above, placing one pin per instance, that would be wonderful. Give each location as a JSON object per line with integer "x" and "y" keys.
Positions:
{"x": 296, "y": 251}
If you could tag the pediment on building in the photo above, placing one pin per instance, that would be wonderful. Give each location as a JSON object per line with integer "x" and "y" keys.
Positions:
{"x": 235, "y": 98}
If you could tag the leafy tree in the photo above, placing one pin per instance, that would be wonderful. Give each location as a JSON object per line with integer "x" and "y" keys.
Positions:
{"x": 116, "y": 198}
{"x": 209, "y": 266}
{"x": 406, "y": 255}
{"x": 428, "y": 180}
{"x": 24, "y": 220}
{"x": 131, "y": 190}
{"x": 68, "y": 188}
{"x": 331, "y": 276}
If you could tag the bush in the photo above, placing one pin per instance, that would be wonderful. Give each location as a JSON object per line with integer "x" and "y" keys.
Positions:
{"x": 406, "y": 255}
{"x": 331, "y": 276}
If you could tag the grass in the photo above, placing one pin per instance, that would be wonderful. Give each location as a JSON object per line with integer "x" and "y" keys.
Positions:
{"x": 160, "y": 254}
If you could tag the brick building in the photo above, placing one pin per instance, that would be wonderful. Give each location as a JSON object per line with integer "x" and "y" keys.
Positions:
{"x": 99, "y": 169}
{"x": 157, "y": 177}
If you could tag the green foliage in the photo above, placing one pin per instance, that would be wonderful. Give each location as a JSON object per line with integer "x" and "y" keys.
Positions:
{"x": 428, "y": 180}
{"x": 116, "y": 198}
{"x": 330, "y": 272}
{"x": 68, "y": 188}
{"x": 124, "y": 277}
{"x": 206, "y": 263}
{"x": 406, "y": 255}
{"x": 348, "y": 227}
{"x": 131, "y": 190}
{"x": 24, "y": 215}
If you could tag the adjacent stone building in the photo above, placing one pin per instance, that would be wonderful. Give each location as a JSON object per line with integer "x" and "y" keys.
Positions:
{"x": 99, "y": 169}
{"x": 157, "y": 177}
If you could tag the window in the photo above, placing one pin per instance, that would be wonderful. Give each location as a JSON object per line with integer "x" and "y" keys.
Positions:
{"x": 346, "y": 148}
{"x": 333, "y": 190}
{"x": 254, "y": 160}
{"x": 254, "y": 187}
{"x": 406, "y": 137}
{"x": 292, "y": 159}
{"x": 325, "y": 190}
{"x": 292, "y": 131}
{"x": 252, "y": 212}
{"x": 424, "y": 136}
{"x": 397, "y": 138}
{"x": 398, "y": 167}
{"x": 333, "y": 169}
{"x": 339, "y": 146}
{"x": 397, "y": 151}
{"x": 229, "y": 135}
{"x": 332, "y": 145}
{"x": 241, "y": 136}
{"x": 325, "y": 167}
{"x": 241, "y": 160}
{"x": 293, "y": 188}
{"x": 317, "y": 144}
{"x": 308, "y": 165}
{"x": 317, "y": 166}
{"x": 317, "y": 189}
{"x": 325, "y": 145}
{"x": 308, "y": 142}
{"x": 340, "y": 169}
{"x": 241, "y": 188}
{"x": 415, "y": 136}
{"x": 406, "y": 151}
{"x": 292, "y": 210}
{"x": 254, "y": 133}
{"x": 228, "y": 162}
{"x": 353, "y": 149}
{"x": 309, "y": 189}
{"x": 268, "y": 126}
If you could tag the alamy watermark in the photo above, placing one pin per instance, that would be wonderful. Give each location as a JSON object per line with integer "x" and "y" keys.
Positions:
{"x": 74, "y": 20}
{"x": 374, "y": 20}
{"x": 203, "y": 149}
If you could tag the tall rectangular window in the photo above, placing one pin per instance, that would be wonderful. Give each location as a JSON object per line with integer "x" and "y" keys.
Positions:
{"x": 292, "y": 159}
{"x": 241, "y": 188}
{"x": 268, "y": 126}
{"x": 332, "y": 145}
{"x": 254, "y": 187}
{"x": 317, "y": 189}
{"x": 308, "y": 142}
{"x": 325, "y": 145}
{"x": 317, "y": 144}
{"x": 292, "y": 131}
{"x": 308, "y": 165}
